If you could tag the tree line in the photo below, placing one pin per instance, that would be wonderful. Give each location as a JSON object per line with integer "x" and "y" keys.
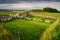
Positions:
{"x": 46, "y": 9}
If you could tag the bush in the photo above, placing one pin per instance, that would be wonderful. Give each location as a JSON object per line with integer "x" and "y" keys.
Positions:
{"x": 48, "y": 9}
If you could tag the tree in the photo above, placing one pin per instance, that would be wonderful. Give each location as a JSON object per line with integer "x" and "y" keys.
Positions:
{"x": 48, "y": 9}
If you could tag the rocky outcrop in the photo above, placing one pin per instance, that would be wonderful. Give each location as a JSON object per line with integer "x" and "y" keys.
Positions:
{"x": 5, "y": 18}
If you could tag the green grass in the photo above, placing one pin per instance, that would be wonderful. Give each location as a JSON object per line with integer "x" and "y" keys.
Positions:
{"x": 48, "y": 14}
{"x": 29, "y": 30}
{"x": 10, "y": 12}
{"x": 56, "y": 33}
{"x": 51, "y": 20}
{"x": 44, "y": 19}
{"x": 47, "y": 33}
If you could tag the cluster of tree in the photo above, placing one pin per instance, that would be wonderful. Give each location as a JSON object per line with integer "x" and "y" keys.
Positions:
{"x": 47, "y": 9}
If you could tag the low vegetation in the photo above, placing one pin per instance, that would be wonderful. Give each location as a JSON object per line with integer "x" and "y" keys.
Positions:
{"x": 10, "y": 12}
{"x": 30, "y": 28}
{"x": 48, "y": 9}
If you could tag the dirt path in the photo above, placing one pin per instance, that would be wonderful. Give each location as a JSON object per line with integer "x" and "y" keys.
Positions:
{"x": 47, "y": 33}
{"x": 43, "y": 16}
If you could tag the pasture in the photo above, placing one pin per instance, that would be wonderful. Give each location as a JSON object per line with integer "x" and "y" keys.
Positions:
{"x": 30, "y": 29}
{"x": 10, "y": 12}
{"x": 48, "y": 14}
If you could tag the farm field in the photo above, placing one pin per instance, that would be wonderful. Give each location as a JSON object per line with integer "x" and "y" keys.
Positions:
{"x": 29, "y": 30}
{"x": 48, "y": 14}
{"x": 10, "y": 12}
{"x": 25, "y": 29}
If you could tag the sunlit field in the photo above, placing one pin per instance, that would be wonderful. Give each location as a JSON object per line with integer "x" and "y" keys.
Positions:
{"x": 10, "y": 12}
{"x": 35, "y": 29}
{"x": 48, "y": 14}
{"x": 29, "y": 30}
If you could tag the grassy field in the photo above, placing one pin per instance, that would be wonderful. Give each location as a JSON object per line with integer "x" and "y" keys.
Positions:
{"x": 10, "y": 12}
{"x": 52, "y": 34}
{"x": 48, "y": 14}
{"x": 30, "y": 29}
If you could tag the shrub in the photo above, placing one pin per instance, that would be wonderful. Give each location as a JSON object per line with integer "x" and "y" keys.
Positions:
{"x": 48, "y": 9}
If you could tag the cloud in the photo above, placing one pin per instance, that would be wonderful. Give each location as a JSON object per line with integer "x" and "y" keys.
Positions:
{"x": 31, "y": 5}
{"x": 19, "y": 1}
{"x": 16, "y": 6}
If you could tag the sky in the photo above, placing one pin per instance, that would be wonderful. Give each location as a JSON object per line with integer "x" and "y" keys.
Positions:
{"x": 29, "y": 4}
